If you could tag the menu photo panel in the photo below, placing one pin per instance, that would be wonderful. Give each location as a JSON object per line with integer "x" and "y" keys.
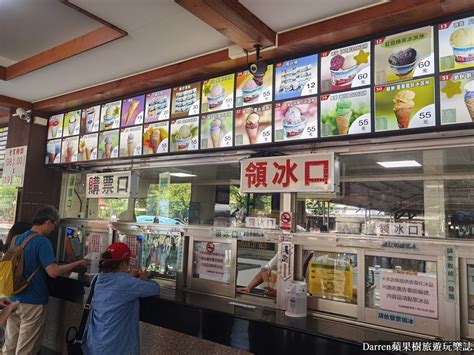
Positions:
{"x": 55, "y": 126}
{"x": 186, "y": 100}
{"x": 131, "y": 141}
{"x": 252, "y": 90}
{"x": 70, "y": 148}
{"x": 132, "y": 111}
{"x": 218, "y": 93}
{"x": 457, "y": 97}
{"x": 404, "y": 56}
{"x": 109, "y": 144}
{"x": 346, "y": 113}
{"x": 296, "y": 77}
{"x": 53, "y": 152}
{"x": 296, "y": 119}
{"x": 217, "y": 130}
{"x": 184, "y": 134}
{"x": 456, "y": 44}
{"x": 90, "y": 119}
{"x": 157, "y": 106}
{"x": 346, "y": 68}
{"x": 405, "y": 105}
{"x": 110, "y": 115}
{"x": 156, "y": 138}
{"x": 253, "y": 125}
{"x": 72, "y": 123}
{"x": 88, "y": 145}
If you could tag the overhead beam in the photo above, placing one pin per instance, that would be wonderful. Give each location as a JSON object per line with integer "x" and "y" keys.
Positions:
{"x": 12, "y": 103}
{"x": 233, "y": 20}
{"x": 2, "y": 72}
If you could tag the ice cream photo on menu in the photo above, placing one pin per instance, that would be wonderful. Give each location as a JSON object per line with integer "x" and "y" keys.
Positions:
{"x": 90, "y": 119}
{"x": 109, "y": 144}
{"x": 157, "y": 106}
{"x": 110, "y": 115}
{"x": 132, "y": 111}
{"x": 456, "y": 44}
{"x": 252, "y": 89}
{"x": 405, "y": 105}
{"x": 345, "y": 68}
{"x": 131, "y": 141}
{"x": 55, "y": 126}
{"x": 184, "y": 134}
{"x": 345, "y": 113}
{"x": 88, "y": 147}
{"x": 53, "y": 152}
{"x": 155, "y": 138}
{"x": 457, "y": 97}
{"x": 69, "y": 150}
{"x": 405, "y": 55}
{"x": 72, "y": 123}
{"x": 218, "y": 93}
{"x": 296, "y": 119}
{"x": 186, "y": 100}
{"x": 253, "y": 125}
{"x": 217, "y": 130}
{"x": 296, "y": 77}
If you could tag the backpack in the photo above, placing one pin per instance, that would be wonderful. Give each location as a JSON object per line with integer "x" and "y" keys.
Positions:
{"x": 12, "y": 281}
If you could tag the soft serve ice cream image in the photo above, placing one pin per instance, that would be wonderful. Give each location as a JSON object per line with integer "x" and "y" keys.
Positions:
{"x": 216, "y": 133}
{"x": 403, "y": 104}
{"x": 71, "y": 122}
{"x": 108, "y": 144}
{"x": 216, "y": 130}
{"x": 343, "y": 115}
{"x": 131, "y": 141}
{"x": 469, "y": 98}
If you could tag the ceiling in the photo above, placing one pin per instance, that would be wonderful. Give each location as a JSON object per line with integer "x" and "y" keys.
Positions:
{"x": 160, "y": 32}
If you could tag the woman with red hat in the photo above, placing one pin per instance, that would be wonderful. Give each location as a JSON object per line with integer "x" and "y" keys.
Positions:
{"x": 113, "y": 323}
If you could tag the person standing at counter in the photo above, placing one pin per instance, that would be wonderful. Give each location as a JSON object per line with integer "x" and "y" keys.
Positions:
{"x": 113, "y": 323}
{"x": 25, "y": 326}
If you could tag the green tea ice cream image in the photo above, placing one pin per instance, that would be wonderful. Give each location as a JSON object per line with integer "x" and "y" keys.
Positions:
{"x": 343, "y": 115}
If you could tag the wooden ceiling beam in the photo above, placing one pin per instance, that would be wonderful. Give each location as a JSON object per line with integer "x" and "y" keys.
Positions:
{"x": 2, "y": 72}
{"x": 7, "y": 102}
{"x": 233, "y": 20}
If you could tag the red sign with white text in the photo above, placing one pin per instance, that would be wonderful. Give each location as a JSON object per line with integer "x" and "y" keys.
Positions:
{"x": 293, "y": 173}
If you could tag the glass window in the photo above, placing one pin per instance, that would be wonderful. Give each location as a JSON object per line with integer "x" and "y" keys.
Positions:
{"x": 212, "y": 261}
{"x": 470, "y": 288}
{"x": 160, "y": 255}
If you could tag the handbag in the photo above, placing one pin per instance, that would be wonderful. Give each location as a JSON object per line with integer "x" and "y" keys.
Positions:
{"x": 74, "y": 336}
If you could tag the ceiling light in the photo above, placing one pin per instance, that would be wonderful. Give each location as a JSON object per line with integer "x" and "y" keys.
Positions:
{"x": 182, "y": 175}
{"x": 399, "y": 164}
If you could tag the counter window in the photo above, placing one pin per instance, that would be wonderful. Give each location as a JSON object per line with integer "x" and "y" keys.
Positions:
{"x": 212, "y": 261}
{"x": 160, "y": 255}
{"x": 470, "y": 287}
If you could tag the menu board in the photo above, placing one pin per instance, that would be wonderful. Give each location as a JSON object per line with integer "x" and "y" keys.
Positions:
{"x": 296, "y": 77}
{"x": 53, "y": 152}
{"x": 252, "y": 90}
{"x": 456, "y": 44}
{"x": 55, "y": 126}
{"x": 184, "y": 134}
{"x": 253, "y": 125}
{"x": 457, "y": 97}
{"x": 90, "y": 119}
{"x": 88, "y": 147}
{"x": 345, "y": 113}
{"x": 405, "y": 105}
{"x": 155, "y": 138}
{"x": 69, "y": 150}
{"x": 110, "y": 115}
{"x": 132, "y": 111}
{"x": 404, "y": 55}
{"x": 296, "y": 119}
{"x": 72, "y": 123}
{"x": 108, "y": 144}
{"x": 217, "y": 130}
{"x": 157, "y": 106}
{"x": 186, "y": 100}
{"x": 218, "y": 93}
{"x": 345, "y": 68}
{"x": 131, "y": 141}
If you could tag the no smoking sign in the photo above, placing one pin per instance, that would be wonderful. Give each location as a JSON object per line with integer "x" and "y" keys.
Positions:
{"x": 286, "y": 219}
{"x": 210, "y": 247}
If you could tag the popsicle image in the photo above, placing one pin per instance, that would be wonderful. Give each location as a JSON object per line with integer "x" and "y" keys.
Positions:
{"x": 403, "y": 107}
{"x": 131, "y": 109}
{"x": 72, "y": 125}
{"x": 131, "y": 144}
{"x": 251, "y": 126}
{"x": 469, "y": 98}
{"x": 216, "y": 133}
{"x": 107, "y": 147}
{"x": 343, "y": 115}
{"x": 155, "y": 140}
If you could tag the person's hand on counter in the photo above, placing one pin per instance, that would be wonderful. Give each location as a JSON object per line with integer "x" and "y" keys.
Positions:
{"x": 270, "y": 291}
{"x": 242, "y": 289}
{"x": 143, "y": 274}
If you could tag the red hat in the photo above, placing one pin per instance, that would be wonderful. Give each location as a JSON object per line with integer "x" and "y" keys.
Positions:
{"x": 119, "y": 251}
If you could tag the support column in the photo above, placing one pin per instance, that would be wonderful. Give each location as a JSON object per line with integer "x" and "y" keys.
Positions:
{"x": 434, "y": 195}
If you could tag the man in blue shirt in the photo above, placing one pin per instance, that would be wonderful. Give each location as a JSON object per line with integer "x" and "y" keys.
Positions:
{"x": 113, "y": 324}
{"x": 24, "y": 330}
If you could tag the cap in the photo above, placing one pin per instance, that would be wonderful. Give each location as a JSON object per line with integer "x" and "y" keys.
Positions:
{"x": 119, "y": 251}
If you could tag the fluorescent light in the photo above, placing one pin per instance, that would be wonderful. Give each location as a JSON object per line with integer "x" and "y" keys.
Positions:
{"x": 182, "y": 175}
{"x": 399, "y": 164}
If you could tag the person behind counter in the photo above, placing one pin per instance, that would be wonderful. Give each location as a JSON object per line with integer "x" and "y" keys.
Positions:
{"x": 113, "y": 323}
{"x": 267, "y": 272}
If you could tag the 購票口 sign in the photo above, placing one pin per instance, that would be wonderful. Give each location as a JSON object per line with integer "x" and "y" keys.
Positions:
{"x": 14, "y": 166}
{"x": 111, "y": 185}
{"x": 293, "y": 173}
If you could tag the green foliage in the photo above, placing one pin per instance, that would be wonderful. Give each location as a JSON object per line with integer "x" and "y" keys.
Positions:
{"x": 7, "y": 204}
{"x": 177, "y": 197}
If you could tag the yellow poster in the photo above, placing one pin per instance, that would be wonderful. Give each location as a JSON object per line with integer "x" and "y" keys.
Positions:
{"x": 330, "y": 279}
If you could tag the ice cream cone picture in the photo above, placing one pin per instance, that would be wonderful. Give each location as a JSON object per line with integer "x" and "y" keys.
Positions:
{"x": 403, "y": 107}
{"x": 469, "y": 98}
{"x": 155, "y": 140}
{"x": 131, "y": 109}
{"x": 251, "y": 126}
{"x": 107, "y": 148}
{"x": 343, "y": 115}
{"x": 131, "y": 145}
{"x": 216, "y": 133}
{"x": 69, "y": 152}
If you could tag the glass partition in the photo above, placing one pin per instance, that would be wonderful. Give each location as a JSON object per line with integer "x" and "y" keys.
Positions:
{"x": 212, "y": 261}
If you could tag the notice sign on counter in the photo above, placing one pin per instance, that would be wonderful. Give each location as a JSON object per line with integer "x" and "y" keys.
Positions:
{"x": 14, "y": 166}
{"x": 212, "y": 261}
{"x": 409, "y": 294}
{"x": 112, "y": 185}
{"x": 296, "y": 173}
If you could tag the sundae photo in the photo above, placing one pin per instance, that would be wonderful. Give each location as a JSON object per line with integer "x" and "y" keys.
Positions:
{"x": 462, "y": 41}
{"x": 54, "y": 125}
{"x": 111, "y": 115}
{"x": 72, "y": 123}
{"x": 343, "y": 115}
{"x": 251, "y": 126}
{"x": 403, "y": 62}
{"x": 216, "y": 96}
{"x": 294, "y": 122}
{"x": 403, "y": 107}
{"x": 183, "y": 137}
{"x": 343, "y": 70}
{"x": 469, "y": 98}
{"x": 153, "y": 137}
{"x": 251, "y": 90}
{"x": 216, "y": 133}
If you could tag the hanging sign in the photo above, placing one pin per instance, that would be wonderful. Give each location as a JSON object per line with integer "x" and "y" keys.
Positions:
{"x": 112, "y": 185}
{"x": 14, "y": 166}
